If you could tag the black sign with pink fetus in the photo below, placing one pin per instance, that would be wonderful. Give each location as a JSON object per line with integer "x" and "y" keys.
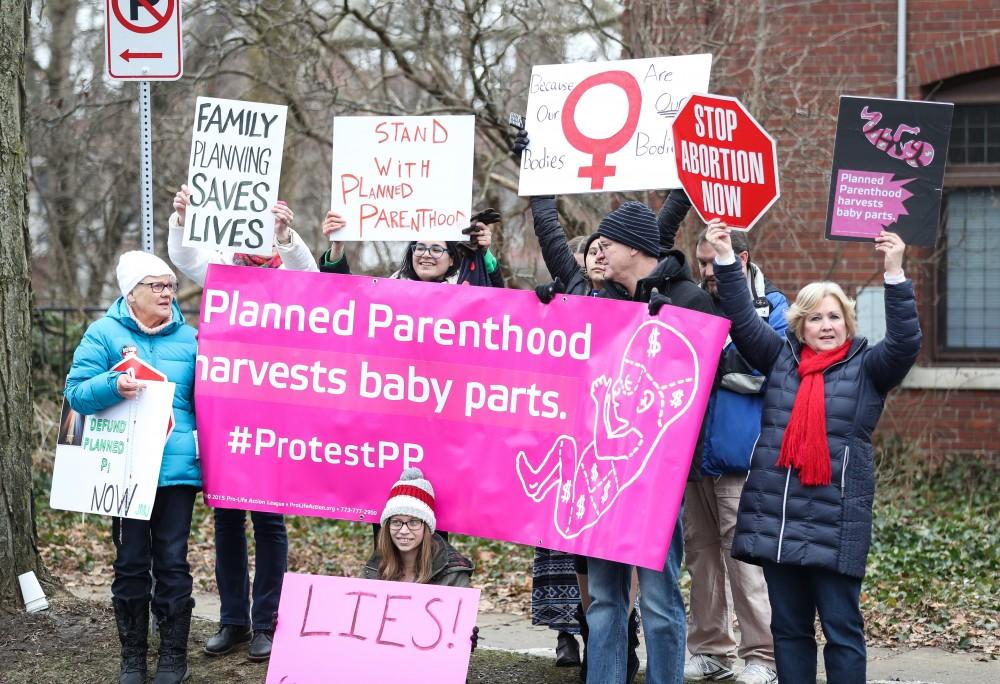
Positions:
{"x": 888, "y": 169}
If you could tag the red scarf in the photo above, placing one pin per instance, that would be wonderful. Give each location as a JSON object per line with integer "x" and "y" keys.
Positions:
{"x": 273, "y": 261}
{"x": 804, "y": 445}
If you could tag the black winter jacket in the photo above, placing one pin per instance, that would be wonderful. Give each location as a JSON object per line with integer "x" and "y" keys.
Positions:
{"x": 556, "y": 253}
{"x": 781, "y": 520}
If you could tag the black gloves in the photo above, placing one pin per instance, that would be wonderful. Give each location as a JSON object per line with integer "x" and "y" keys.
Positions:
{"x": 475, "y": 637}
{"x": 488, "y": 216}
{"x": 547, "y": 292}
{"x": 520, "y": 142}
{"x": 656, "y": 302}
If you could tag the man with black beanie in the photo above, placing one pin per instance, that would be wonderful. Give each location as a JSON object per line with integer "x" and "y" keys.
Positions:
{"x": 635, "y": 269}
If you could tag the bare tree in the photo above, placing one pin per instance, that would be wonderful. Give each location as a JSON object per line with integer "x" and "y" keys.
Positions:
{"x": 18, "y": 549}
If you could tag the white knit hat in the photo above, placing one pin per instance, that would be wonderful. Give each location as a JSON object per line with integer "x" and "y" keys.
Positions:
{"x": 135, "y": 265}
{"x": 412, "y": 495}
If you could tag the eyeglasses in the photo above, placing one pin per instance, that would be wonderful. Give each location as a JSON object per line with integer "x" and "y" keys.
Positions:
{"x": 413, "y": 524}
{"x": 433, "y": 251}
{"x": 160, "y": 287}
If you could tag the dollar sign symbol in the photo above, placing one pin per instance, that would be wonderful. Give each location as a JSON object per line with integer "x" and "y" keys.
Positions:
{"x": 565, "y": 491}
{"x": 594, "y": 474}
{"x": 579, "y": 507}
{"x": 604, "y": 497}
{"x": 677, "y": 396}
{"x": 654, "y": 347}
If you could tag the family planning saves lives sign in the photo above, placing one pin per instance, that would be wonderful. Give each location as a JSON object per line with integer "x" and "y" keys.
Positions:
{"x": 606, "y": 126}
{"x": 233, "y": 175}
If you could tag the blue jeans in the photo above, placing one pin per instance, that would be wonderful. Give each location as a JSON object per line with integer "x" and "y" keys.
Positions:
{"x": 231, "y": 571}
{"x": 796, "y": 594}
{"x": 663, "y": 619}
{"x": 158, "y": 545}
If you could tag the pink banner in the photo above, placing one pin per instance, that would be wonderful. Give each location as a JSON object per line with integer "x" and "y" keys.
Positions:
{"x": 568, "y": 426}
{"x": 371, "y": 631}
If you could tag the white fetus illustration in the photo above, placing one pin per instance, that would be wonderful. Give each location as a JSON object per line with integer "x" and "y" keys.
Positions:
{"x": 654, "y": 387}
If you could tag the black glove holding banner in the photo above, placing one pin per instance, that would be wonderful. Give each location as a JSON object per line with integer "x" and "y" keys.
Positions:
{"x": 475, "y": 637}
{"x": 656, "y": 302}
{"x": 547, "y": 292}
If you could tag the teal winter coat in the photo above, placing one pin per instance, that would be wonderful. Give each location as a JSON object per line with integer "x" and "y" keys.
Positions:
{"x": 91, "y": 387}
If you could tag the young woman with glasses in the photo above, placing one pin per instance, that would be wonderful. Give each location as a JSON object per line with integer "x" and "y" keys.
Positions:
{"x": 407, "y": 548}
{"x": 432, "y": 261}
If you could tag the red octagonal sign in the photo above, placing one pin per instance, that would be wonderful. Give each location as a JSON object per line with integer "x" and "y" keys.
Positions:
{"x": 726, "y": 161}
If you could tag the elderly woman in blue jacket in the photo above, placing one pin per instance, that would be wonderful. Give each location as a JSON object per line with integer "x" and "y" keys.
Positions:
{"x": 806, "y": 510}
{"x": 146, "y": 321}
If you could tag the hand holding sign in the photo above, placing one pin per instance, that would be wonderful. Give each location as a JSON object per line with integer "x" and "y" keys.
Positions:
{"x": 892, "y": 246}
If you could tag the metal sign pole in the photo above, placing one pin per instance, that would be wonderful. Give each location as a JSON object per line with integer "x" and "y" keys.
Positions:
{"x": 146, "y": 166}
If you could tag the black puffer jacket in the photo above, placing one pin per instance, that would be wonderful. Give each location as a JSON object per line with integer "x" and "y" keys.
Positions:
{"x": 780, "y": 519}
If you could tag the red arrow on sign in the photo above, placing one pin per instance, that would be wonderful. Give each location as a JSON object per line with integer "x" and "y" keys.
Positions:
{"x": 127, "y": 55}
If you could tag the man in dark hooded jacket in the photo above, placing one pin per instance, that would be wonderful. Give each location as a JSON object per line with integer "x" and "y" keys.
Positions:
{"x": 634, "y": 269}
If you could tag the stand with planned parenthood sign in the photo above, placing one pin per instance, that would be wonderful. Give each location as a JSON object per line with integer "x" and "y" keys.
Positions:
{"x": 109, "y": 463}
{"x": 888, "y": 169}
{"x": 233, "y": 175}
{"x": 372, "y": 631}
{"x": 555, "y": 425}
{"x": 605, "y": 126}
{"x": 403, "y": 177}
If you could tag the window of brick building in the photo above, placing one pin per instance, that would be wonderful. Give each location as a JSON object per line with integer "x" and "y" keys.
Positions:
{"x": 968, "y": 276}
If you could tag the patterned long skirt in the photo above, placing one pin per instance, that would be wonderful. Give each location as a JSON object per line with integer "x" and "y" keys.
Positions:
{"x": 554, "y": 591}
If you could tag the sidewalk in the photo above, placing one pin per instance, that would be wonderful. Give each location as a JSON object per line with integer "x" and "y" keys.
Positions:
{"x": 516, "y": 633}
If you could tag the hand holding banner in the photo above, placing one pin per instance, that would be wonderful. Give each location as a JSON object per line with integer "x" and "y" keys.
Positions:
{"x": 372, "y": 631}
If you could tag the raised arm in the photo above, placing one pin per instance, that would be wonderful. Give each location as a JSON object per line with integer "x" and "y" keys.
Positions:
{"x": 190, "y": 261}
{"x": 672, "y": 213}
{"x": 756, "y": 341}
{"x": 891, "y": 359}
{"x": 552, "y": 239}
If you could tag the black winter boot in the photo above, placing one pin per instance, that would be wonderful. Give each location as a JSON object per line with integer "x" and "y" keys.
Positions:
{"x": 171, "y": 667}
{"x": 581, "y": 618}
{"x": 632, "y": 666}
{"x": 132, "y": 618}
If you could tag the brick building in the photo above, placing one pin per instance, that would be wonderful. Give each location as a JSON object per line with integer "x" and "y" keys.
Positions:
{"x": 789, "y": 63}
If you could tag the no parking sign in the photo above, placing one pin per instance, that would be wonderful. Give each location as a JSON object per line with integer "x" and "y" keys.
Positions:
{"x": 143, "y": 39}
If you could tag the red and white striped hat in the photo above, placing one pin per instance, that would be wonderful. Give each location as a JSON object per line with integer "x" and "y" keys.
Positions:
{"x": 412, "y": 495}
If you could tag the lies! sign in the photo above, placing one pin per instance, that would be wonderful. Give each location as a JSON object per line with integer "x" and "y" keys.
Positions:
{"x": 371, "y": 631}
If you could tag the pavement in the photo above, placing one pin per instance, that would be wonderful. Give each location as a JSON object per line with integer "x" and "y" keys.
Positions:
{"x": 516, "y": 633}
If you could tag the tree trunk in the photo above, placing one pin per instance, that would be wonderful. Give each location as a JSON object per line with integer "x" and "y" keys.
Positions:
{"x": 18, "y": 548}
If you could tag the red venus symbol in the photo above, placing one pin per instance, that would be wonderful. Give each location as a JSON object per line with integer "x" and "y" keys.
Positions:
{"x": 600, "y": 148}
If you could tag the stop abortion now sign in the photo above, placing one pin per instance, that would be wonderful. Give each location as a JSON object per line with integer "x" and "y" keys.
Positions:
{"x": 727, "y": 163}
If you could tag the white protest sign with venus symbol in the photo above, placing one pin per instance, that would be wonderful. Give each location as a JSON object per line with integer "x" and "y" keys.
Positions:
{"x": 143, "y": 40}
{"x": 605, "y": 126}
{"x": 233, "y": 175}
{"x": 403, "y": 177}
{"x": 727, "y": 163}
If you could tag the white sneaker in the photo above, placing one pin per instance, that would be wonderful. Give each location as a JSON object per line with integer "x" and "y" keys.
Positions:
{"x": 707, "y": 668}
{"x": 757, "y": 674}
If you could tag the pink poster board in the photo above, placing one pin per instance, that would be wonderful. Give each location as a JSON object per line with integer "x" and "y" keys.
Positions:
{"x": 569, "y": 426}
{"x": 371, "y": 631}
